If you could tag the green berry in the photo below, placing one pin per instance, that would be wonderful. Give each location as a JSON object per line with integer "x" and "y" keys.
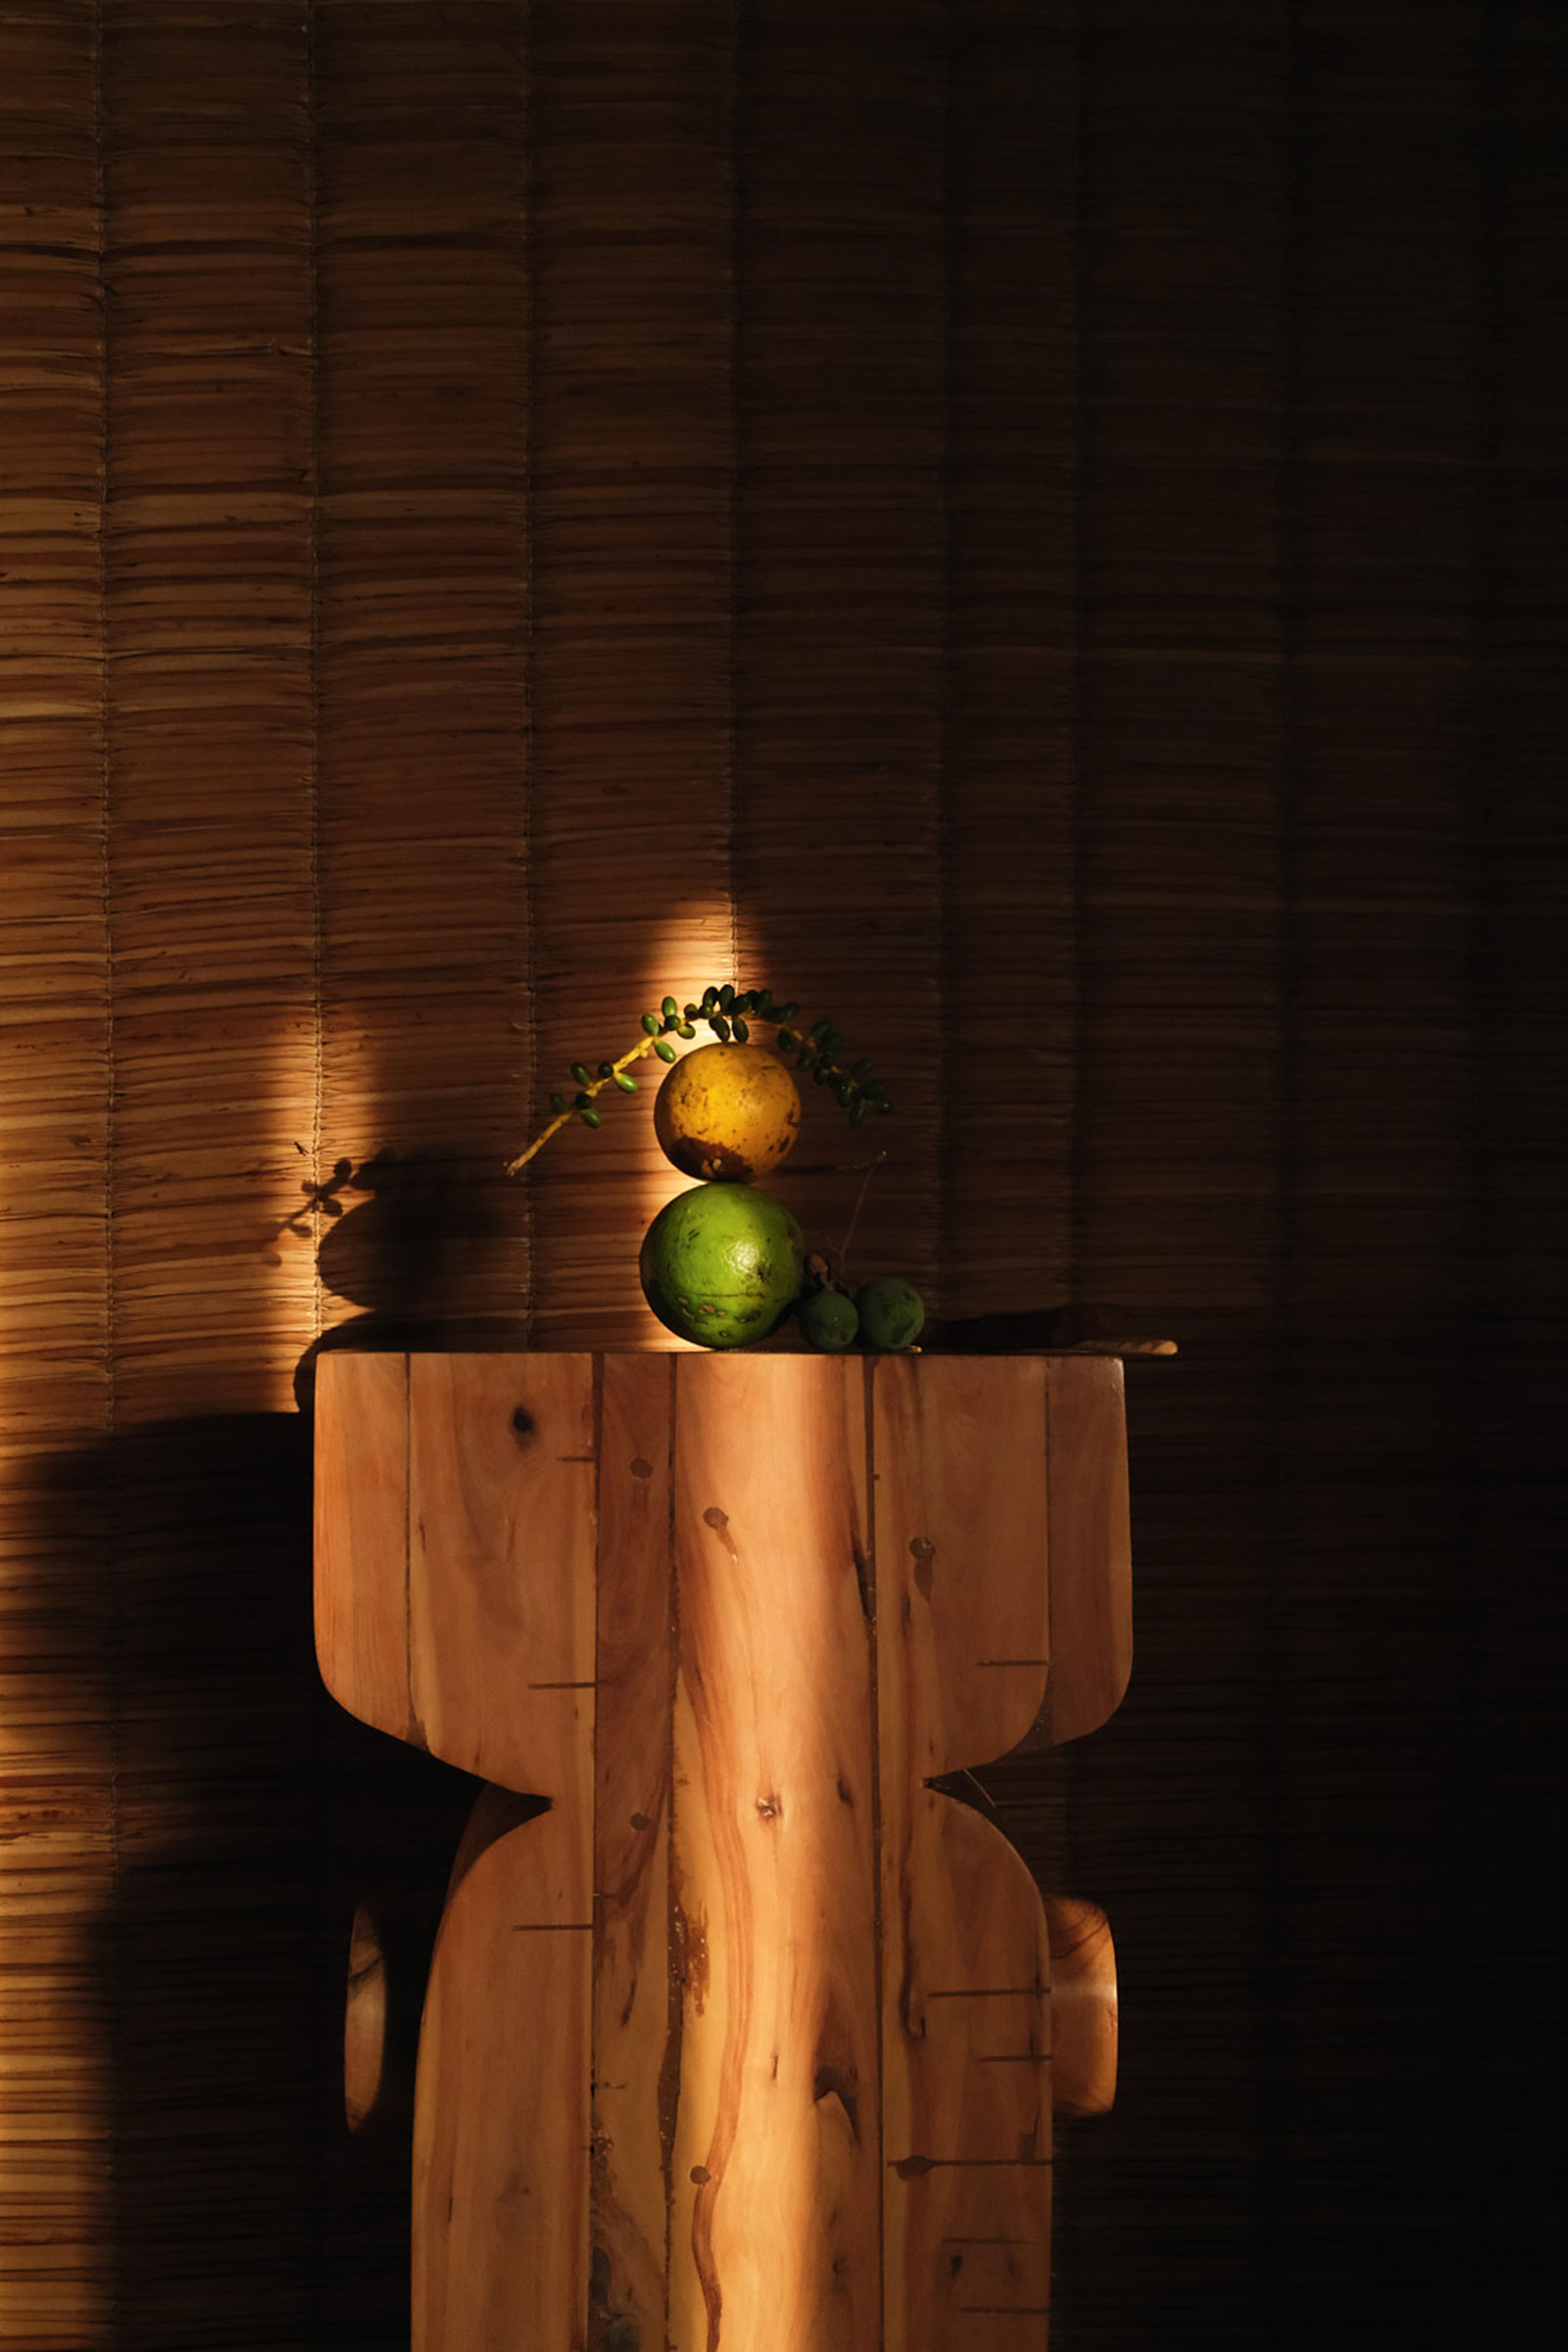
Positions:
{"x": 625, "y": 1081}
{"x": 742, "y": 1030}
{"x": 590, "y": 1118}
{"x": 892, "y": 1312}
{"x": 580, "y": 1070}
{"x": 664, "y": 1053}
{"x": 829, "y": 1321}
{"x": 720, "y": 1027}
{"x": 686, "y": 1030}
{"x": 672, "y": 1010}
{"x": 557, "y": 1102}
{"x": 651, "y": 1023}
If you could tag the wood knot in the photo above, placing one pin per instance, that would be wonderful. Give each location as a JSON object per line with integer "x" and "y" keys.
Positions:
{"x": 641, "y": 1467}
{"x": 770, "y": 1807}
{"x": 923, "y": 1553}
{"x": 522, "y": 1422}
{"x": 701, "y": 2175}
{"x": 719, "y": 1521}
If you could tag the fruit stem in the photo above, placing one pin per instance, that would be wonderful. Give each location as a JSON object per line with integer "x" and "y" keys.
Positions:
{"x": 816, "y": 1047}
{"x": 597, "y": 1086}
{"x": 871, "y": 1167}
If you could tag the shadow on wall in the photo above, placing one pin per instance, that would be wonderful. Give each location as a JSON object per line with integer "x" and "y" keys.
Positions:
{"x": 424, "y": 1253}
{"x": 244, "y": 2211}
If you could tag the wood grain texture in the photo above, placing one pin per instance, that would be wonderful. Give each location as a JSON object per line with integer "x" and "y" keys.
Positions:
{"x": 366, "y": 2083}
{"x": 962, "y": 1656}
{"x": 1091, "y": 1545}
{"x": 1083, "y": 2006}
{"x": 966, "y": 2070}
{"x": 816, "y": 2009}
{"x": 361, "y": 1537}
{"x": 454, "y": 1555}
{"x": 500, "y": 2182}
{"x": 963, "y": 1597}
{"x": 636, "y": 2018}
{"x": 501, "y": 1558}
{"x": 774, "y": 2190}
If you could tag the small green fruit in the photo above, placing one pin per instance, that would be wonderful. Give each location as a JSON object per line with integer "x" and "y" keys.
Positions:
{"x": 829, "y": 1321}
{"x": 892, "y": 1312}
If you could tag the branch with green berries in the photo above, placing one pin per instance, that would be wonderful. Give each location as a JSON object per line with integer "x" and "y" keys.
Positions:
{"x": 729, "y": 1012}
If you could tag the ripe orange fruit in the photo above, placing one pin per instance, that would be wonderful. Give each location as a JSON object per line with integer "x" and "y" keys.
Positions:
{"x": 727, "y": 1111}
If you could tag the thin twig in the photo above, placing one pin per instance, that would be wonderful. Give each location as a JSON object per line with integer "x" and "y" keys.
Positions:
{"x": 872, "y": 1166}
{"x": 573, "y": 1109}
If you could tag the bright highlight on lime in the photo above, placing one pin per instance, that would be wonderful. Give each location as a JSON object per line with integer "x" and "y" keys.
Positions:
{"x": 722, "y": 1264}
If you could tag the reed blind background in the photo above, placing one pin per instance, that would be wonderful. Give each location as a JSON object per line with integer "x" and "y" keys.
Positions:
{"x": 1033, "y": 526}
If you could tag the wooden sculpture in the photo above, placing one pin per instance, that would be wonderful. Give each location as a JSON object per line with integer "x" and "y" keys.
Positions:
{"x": 744, "y": 2042}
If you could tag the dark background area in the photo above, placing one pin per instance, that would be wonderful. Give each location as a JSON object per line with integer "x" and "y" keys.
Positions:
{"x": 1038, "y": 522}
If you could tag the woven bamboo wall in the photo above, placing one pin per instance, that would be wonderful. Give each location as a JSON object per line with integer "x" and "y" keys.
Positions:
{"x": 1028, "y": 524}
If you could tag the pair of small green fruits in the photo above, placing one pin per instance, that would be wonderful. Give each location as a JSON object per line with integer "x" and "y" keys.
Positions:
{"x": 724, "y": 1263}
{"x": 887, "y": 1314}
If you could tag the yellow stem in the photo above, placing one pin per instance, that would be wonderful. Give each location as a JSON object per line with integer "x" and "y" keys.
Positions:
{"x": 516, "y": 1166}
{"x": 596, "y": 1086}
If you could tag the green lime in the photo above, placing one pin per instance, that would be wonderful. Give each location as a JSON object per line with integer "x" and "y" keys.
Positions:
{"x": 721, "y": 1264}
{"x": 892, "y": 1312}
{"x": 829, "y": 1321}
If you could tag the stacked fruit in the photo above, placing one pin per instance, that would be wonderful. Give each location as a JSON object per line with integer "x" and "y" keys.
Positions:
{"x": 724, "y": 1263}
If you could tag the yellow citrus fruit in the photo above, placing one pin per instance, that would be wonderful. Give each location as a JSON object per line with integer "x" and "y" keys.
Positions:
{"x": 727, "y": 1111}
{"x": 722, "y": 1264}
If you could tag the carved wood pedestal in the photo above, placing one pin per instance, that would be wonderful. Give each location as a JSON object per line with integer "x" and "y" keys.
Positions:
{"x": 743, "y": 2039}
